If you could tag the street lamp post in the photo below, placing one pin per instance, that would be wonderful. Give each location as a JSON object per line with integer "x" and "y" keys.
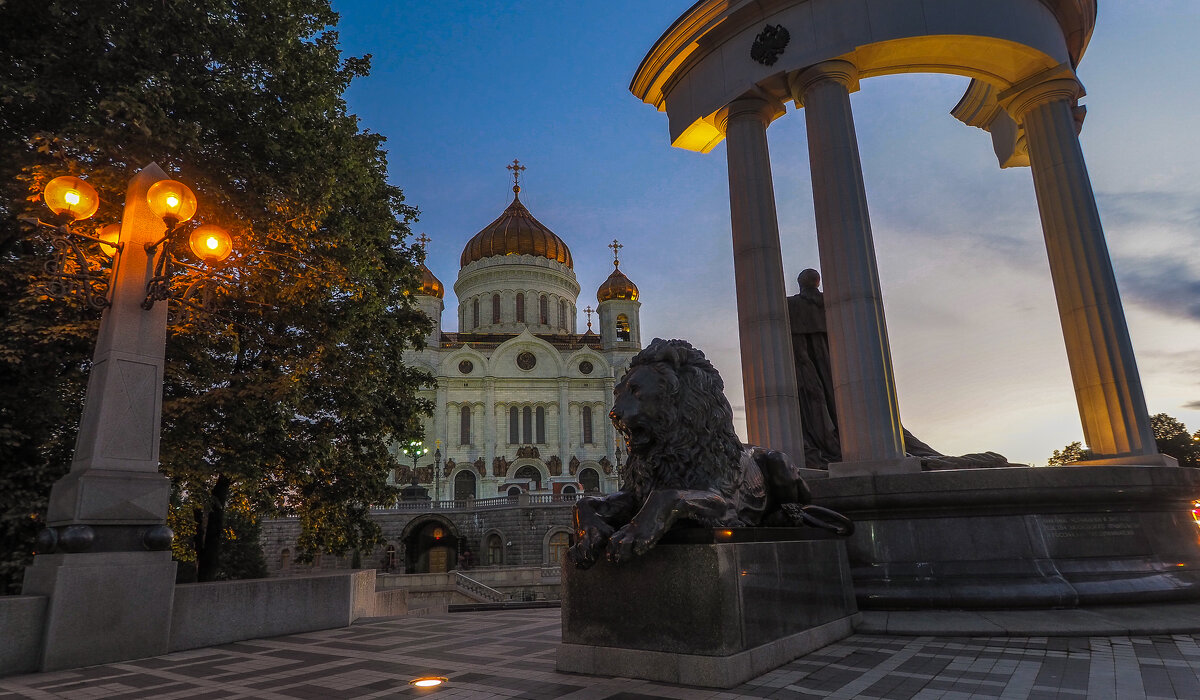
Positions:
{"x": 104, "y": 560}
{"x": 415, "y": 449}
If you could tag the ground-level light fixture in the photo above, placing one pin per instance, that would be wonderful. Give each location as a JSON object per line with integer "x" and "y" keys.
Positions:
{"x": 428, "y": 681}
{"x": 71, "y": 198}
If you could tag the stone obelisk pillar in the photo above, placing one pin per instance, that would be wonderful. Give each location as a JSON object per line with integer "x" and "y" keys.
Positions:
{"x": 768, "y": 367}
{"x": 104, "y": 561}
{"x": 1108, "y": 389}
{"x": 864, "y": 388}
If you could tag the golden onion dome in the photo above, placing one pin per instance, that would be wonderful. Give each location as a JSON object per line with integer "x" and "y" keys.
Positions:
{"x": 617, "y": 286}
{"x": 431, "y": 286}
{"x": 516, "y": 232}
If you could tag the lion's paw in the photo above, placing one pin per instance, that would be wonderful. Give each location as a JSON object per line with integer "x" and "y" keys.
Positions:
{"x": 629, "y": 542}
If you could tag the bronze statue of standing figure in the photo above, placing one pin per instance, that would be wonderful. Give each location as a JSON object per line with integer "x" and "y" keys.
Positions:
{"x": 818, "y": 406}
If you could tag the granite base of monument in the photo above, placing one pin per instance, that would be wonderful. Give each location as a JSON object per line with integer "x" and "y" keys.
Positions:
{"x": 706, "y": 607}
{"x": 103, "y": 606}
{"x": 1021, "y": 537}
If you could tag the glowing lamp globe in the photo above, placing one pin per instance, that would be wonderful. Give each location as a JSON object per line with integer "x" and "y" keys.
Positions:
{"x": 70, "y": 196}
{"x": 109, "y": 235}
{"x": 210, "y": 243}
{"x": 171, "y": 201}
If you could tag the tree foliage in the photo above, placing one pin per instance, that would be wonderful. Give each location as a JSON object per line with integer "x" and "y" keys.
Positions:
{"x": 1170, "y": 437}
{"x": 1067, "y": 455}
{"x": 285, "y": 399}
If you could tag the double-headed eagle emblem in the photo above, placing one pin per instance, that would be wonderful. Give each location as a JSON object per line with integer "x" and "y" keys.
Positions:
{"x": 769, "y": 44}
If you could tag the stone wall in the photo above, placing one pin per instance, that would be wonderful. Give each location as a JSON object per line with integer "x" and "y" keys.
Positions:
{"x": 205, "y": 614}
{"x": 524, "y": 529}
{"x": 21, "y": 620}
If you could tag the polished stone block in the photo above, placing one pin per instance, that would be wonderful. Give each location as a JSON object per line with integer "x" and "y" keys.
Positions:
{"x": 1045, "y": 537}
{"x": 715, "y": 614}
{"x": 103, "y": 607}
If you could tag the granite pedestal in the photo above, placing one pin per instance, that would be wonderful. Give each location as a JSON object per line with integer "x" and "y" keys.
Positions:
{"x": 708, "y": 607}
{"x": 1020, "y": 537}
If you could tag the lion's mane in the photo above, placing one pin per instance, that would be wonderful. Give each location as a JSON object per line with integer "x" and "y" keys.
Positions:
{"x": 695, "y": 446}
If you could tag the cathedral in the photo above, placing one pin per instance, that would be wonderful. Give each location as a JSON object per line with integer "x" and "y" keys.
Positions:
{"x": 521, "y": 397}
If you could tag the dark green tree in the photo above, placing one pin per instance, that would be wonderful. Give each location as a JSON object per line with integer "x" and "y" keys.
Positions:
{"x": 1172, "y": 438}
{"x": 1071, "y": 453}
{"x": 287, "y": 396}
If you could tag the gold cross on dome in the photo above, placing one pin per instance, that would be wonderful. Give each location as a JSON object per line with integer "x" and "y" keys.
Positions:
{"x": 423, "y": 239}
{"x": 589, "y": 311}
{"x": 516, "y": 169}
{"x": 616, "y": 249}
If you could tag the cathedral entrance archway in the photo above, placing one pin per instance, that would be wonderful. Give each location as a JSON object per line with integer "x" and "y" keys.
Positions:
{"x": 464, "y": 485}
{"x": 531, "y": 473}
{"x": 430, "y": 545}
{"x": 590, "y": 480}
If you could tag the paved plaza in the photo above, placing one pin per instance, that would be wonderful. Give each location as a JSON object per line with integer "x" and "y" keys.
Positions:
{"x": 511, "y": 655}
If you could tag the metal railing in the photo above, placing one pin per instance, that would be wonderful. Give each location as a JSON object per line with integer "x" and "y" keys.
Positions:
{"x": 533, "y": 499}
{"x": 470, "y": 586}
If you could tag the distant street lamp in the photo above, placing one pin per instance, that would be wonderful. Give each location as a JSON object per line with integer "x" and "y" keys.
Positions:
{"x": 415, "y": 449}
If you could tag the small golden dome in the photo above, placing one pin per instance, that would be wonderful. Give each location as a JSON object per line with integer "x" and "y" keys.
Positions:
{"x": 516, "y": 232}
{"x": 431, "y": 286}
{"x": 617, "y": 286}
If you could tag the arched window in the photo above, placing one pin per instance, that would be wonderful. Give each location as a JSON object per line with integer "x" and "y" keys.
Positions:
{"x": 514, "y": 491}
{"x": 464, "y": 485}
{"x": 389, "y": 558}
{"x": 495, "y": 308}
{"x": 562, "y": 314}
{"x": 623, "y": 331}
{"x": 541, "y": 425}
{"x": 514, "y": 426}
{"x": 587, "y": 425}
{"x": 520, "y": 308}
{"x": 285, "y": 560}
{"x": 568, "y": 490}
{"x": 464, "y": 425}
{"x": 589, "y": 479}
{"x": 527, "y": 425}
{"x": 495, "y": 550}
{"x": 531, "y": 473}
{"x": 558, "y": 547}
{"x": 475, "y": 313}
{"x": 544, "y": 308}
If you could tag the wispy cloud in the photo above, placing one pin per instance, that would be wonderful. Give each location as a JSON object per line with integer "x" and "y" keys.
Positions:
{"x": 1163, "y": 284}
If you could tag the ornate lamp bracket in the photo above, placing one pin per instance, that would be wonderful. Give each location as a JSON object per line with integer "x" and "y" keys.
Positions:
{"x": 68, "y": 273}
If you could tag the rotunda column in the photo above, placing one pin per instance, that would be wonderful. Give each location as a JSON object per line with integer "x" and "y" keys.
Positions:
{"x": 861, "y": 361}
{"x": 764, "y": 332}
{"x": 1108, "y": 389}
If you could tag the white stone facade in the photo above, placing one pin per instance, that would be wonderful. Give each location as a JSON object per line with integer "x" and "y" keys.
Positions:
{"x": 521, "y": 400}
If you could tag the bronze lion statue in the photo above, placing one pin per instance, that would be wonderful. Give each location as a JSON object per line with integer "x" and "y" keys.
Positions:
{"x": 686, "y": 464}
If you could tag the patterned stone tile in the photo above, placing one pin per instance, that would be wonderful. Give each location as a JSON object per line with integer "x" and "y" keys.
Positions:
{"x": 511, "y": 655}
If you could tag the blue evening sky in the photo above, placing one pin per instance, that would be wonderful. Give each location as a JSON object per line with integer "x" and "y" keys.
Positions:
{"x": 462, "y": 88}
